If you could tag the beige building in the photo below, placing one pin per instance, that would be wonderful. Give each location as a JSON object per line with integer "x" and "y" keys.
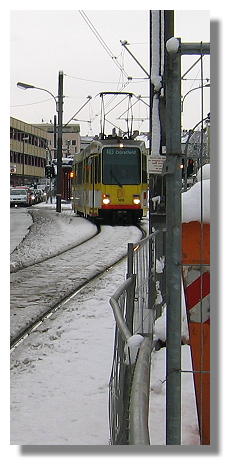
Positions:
{"x": 32, "y": 147}
{"x": 71, "y": 140}
{"x": 28, "y": 152}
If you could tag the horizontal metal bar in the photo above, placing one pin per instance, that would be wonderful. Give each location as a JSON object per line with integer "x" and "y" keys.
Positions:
{"x": 190, "y": 48}
{"x": 145, "y": 240}
{"x": 139, "y": 401}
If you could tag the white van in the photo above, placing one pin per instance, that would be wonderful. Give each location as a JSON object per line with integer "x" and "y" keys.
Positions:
{"x": 21, "y": 197}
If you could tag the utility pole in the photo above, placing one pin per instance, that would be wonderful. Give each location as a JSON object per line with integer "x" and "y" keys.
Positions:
{"x": 173, "y": 247}
{"x": 54, "y": 137}
{"x": 59, "y": 143}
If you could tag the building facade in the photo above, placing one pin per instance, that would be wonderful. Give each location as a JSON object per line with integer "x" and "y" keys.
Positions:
{"x": 70, "y": 138}
{"x": 28, "y": 153}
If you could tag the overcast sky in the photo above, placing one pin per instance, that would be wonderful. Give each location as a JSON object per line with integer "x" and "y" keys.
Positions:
{"x": 46, "y": 41}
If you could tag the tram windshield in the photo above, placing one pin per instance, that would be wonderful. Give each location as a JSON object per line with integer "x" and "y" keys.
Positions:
{"x": 121, "y": 165}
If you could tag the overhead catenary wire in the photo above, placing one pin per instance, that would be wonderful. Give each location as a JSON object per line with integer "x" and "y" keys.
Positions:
{"x": 30, "y": 104}
{"x": 102, "y": 42}
{"x": 102, "y": 81}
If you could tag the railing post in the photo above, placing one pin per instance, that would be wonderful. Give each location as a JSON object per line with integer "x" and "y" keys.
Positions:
{"x": 129, "y": 259}
{"x": 130, "y": 298}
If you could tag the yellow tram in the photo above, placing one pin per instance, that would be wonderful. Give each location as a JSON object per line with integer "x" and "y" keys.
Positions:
{"x": 110, "y": 180}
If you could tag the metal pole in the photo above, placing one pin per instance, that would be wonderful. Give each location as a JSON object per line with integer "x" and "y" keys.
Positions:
{"x": 54, "y": 147}
{"x": 23, "y": 165}
{"x": 59, "y": 143}
{"x": 124, "y": 44}
{"x": 173, "y": 248}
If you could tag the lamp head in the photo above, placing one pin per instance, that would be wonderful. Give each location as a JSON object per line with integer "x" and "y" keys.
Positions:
{"x": 24, "y": 86}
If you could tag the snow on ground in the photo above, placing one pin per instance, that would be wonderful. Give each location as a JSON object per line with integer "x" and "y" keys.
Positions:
{"x": 40, "y": 287}
{"x": 60, "y": 374}
{"x": 157, "y": 404}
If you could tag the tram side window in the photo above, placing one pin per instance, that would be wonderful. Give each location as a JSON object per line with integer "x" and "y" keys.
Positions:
{"x": 144, "y": 168}
{"x": 87, "y": 171}
{"x": 97, "y": 170}
{"x": 79, "y": 172}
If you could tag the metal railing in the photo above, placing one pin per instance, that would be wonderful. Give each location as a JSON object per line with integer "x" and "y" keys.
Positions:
{"x": 119, "y": 385}
{"x": 134, "y": 308}
{"x": 144, "y": 259}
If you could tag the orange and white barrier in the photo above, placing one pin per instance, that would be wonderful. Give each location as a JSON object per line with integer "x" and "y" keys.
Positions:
{"x": 196, "y": 273}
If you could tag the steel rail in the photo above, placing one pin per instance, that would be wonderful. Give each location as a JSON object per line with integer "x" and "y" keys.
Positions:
{"x": 46, "y": 258}
{"x": 15, "y": 341}
{"x": 24, "y": 333}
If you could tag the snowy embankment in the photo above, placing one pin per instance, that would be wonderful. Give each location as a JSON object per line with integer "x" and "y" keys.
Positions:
{"x": 50, "y": 233}
{"x": 195, "y": 207}
{"x": 19, "y": 229}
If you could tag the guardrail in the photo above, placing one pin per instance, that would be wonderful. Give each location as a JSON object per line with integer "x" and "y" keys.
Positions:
{"x": 134, "y": 308}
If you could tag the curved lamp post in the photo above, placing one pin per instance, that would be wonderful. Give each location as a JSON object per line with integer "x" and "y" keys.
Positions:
{"x": 196, "y": 88}
{"x": 59, "y": 109}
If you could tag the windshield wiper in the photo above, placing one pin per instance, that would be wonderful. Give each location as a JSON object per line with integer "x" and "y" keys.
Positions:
{"x": 115, "y": 178}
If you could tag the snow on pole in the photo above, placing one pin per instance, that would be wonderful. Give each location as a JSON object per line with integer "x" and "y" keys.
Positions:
{"x": 156, "y": 80}
{"x": 172, "y": 45}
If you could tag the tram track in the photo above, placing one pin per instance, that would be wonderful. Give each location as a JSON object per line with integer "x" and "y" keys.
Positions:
{"x": 17, "y": 338}
{"x": 20, "y": 267}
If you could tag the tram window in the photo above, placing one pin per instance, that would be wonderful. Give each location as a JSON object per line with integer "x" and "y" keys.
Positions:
{"x": 87, "y": 171}
{"x": 121, "y": 165}
{"x": 144, "y": 169}
{"x": 97, "y": 170}
{"x": 79, "y": 172}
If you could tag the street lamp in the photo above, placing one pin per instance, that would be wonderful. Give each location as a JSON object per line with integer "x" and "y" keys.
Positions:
{"x": 196, "y": 88}
{"x": 59, "y": 109}
{"x": 26, "y": 86}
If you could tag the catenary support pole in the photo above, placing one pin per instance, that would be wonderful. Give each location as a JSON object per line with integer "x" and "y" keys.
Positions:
{"x": 173, "y": 248}
{"x": 59, "y": 143}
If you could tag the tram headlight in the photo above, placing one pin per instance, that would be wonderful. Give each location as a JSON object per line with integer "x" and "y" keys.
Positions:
{"x": 136, "y": 199}
{"x": 106, "y": 199}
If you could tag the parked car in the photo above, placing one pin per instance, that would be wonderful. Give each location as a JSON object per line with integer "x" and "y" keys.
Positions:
{"x": 21, "y": 196}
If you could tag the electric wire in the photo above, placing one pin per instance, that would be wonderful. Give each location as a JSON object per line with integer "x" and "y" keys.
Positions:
{"x": 101, "y": 41}
{"x": 30, "y": 104}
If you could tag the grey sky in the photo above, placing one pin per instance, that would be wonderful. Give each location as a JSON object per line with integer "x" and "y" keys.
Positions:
{"x": 44, "y": 42}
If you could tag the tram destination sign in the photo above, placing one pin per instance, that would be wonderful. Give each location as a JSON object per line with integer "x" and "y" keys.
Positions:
{"x": 121, "y": 151}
